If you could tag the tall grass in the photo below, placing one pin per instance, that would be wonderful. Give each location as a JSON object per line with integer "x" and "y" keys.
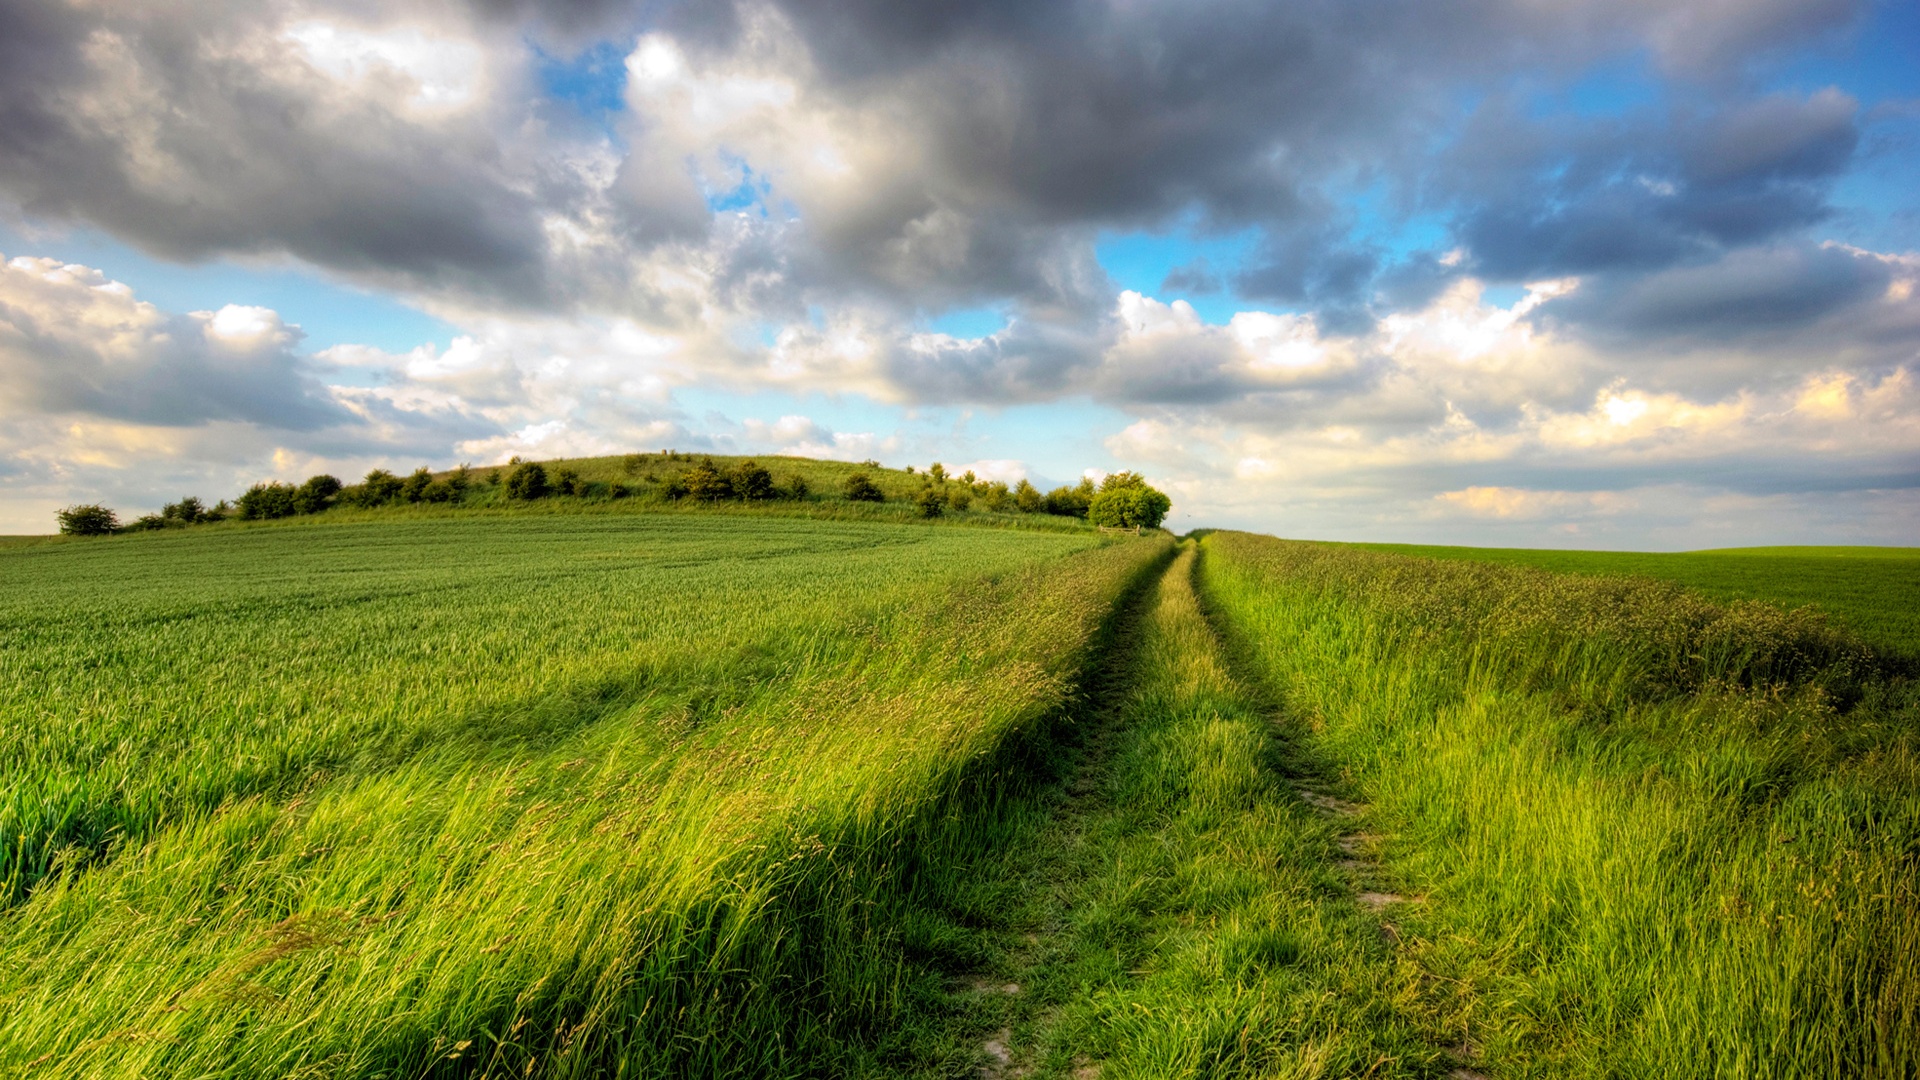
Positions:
{"x": 1659, "y": 836}
{"x": 689, "y": 866}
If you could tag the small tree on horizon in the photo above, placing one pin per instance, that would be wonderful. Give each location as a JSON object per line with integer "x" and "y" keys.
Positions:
{"x": 527, "y": 482}
{"x": 88, "y": 519}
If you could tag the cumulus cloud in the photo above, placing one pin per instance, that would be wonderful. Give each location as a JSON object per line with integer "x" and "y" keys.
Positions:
{"x": 785, "y": 195}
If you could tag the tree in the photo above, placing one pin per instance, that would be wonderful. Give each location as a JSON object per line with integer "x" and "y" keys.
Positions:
{"x": 1071, "y": 502}
{"x": 379, "y": 488}
{"x": 528, "y": 481}
{"x": 88, "y": 519}
{"x": 708, "y": 483}
{"x": 265, "y": 501}
{"x": 938, "y": 472}
{"x": 1028, "y": 498}
{"x": 752, "y": 482}
{"x": 932, "y": 502}
{"x": 568, "y": 482}
{"x": 414, "y": 487}
{"x": 1125, "y": 501}
{"x": 316, "y": 494}
{"x": 861, "y": 488}
{"x": 188, "y": 511}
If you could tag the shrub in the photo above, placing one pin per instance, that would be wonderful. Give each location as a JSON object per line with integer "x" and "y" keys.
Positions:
{"x": 151, "y": 523}
{"x": 1028, "y": 498}
{"x": 438, "y": 492}
{"x": 938, "y": 472}
{"x": 568, "y": 482}
{"x": 87, "y": 519}
{"x": 932, "y": 502}
{"x": 707, "y": 483}
{"x": 269, "y": 500}
{"x": 861, "y": 488}
{"x": 316, "y": 494}
{"x": 1070, "y": 501}
{"x": 796, "y": 486}
{"x": 188, "y": 511}
{"x": 1126, "y": 501}
{"x": 414, "y": 487}
{"x": 379, "y": 488}
{"x": 753, "y": 482}
{"x": 997, "y": 496}
{"x": 961, "y": 498}
{"x": 527, "y": 481}
{"x": 675, "y": 488}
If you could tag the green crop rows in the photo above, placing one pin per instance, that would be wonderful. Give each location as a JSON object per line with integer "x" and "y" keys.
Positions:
{"x": 602, "y": 792}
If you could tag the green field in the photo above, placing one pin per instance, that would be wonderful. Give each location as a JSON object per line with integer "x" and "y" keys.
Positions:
{"x": 627, "y": 787}
{"x": 1870, "y": 590}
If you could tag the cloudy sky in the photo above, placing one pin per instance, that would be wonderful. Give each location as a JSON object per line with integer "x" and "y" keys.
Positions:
{"x": 1606, "y": 273}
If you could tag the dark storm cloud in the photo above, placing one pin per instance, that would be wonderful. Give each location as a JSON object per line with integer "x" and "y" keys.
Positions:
{"x": 1537, "y": 198}
{"x": 1751, "y": 293}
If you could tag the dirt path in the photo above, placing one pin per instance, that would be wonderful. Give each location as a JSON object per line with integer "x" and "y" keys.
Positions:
{"x": 1179, "y": 902}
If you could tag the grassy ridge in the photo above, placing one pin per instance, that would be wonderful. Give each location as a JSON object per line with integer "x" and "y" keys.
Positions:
{"x": 692, "y": 868}
{"x": 1868, "y": 590}
{"x": 1659, "y": 837}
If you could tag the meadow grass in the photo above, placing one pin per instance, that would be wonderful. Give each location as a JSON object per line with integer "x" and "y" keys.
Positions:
{"x": 1656, "y": 836}
{"x": 1151, "y": 896}
{"x": 512, "y": 796}
{"x": 1869, "y": 590}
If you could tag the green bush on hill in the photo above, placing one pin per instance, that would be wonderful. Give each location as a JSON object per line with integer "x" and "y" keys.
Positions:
{"x": 88, "y": 520}
{"x": 1125, "y": 501}
{"x": 861, "y": 488}
{"x": 528, "y": 481}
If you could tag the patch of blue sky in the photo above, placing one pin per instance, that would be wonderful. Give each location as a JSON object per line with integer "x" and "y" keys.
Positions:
{"x": 974, "y": 322}
{"x": 748, "y": 195}
{"x": 1142, "y": 261}
{"x": 1880, "y": 62}
{"x": 1503, "y": 295}
{"x": 328, "y": 313}
{"x": 1613, "y": 87}
{"x": 593, "y": 81}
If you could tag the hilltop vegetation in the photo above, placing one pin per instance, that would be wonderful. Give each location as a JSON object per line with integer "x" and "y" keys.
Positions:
{"x": 668, "y": 479}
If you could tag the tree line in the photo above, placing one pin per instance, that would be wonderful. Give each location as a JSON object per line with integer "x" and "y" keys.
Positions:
{"x": 1122, "y": 500}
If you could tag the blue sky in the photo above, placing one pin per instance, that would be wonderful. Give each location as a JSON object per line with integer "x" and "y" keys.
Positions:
{"x": 1576, "y": 276}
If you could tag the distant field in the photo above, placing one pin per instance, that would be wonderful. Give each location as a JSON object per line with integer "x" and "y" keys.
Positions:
{"x": 1874, "y": 591}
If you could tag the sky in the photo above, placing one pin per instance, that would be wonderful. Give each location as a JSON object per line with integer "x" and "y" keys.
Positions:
{"x": 1590, "y": 273}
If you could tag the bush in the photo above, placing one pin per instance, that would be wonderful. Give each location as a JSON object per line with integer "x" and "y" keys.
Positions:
{"x": 861, "y": 488}
{"x": 568, "y": 482}
{"x": 997, "y": 496}
{"x": 707, "y": 483}
{"x": 932, "y": 502}
{"x": 151, "y": 523}
{"x": 528, "y": 481}
{"x": 796, "y": 486}
{"x": 265, "y": 501}
{"x": 1125, "y": 501}
{"x": 188, "y": 511}
{"x": 961, "y": 498}
{"x": 414, "y": 487}
{"x": 87, "y": 519}
{"x": 1028, "y": 498}
{"x": 753, "y": 482}
{"x": 316, "y": 494}
{"x": 380, "y": 488}
{"x": 1070, "y": 502}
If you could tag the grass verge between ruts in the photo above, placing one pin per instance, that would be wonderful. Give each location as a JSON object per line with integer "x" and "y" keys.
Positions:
{"x": 1658, "y": 836}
